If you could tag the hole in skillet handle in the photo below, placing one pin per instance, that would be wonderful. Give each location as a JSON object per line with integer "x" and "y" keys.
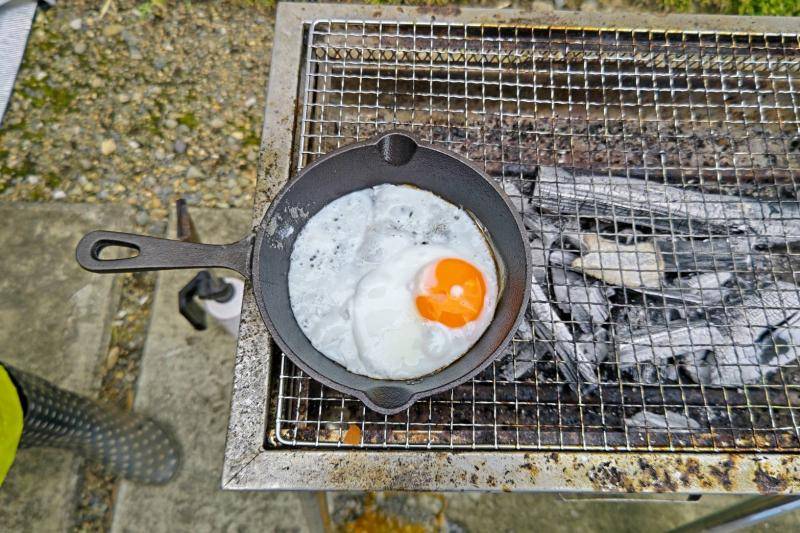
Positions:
{"x": 113, "y": 250}
{"x": 388, "y": 399}
{"x": 397, "y": 148}
{"x": 108, "y": 251}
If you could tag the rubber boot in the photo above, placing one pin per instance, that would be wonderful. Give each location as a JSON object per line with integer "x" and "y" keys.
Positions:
{"x": 125, "y": 444}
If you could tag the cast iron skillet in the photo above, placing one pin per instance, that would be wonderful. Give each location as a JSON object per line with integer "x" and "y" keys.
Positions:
{"x": 263, "y": 257}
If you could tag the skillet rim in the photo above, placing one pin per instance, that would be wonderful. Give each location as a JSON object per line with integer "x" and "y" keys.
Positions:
{"x": 363, "y": 395}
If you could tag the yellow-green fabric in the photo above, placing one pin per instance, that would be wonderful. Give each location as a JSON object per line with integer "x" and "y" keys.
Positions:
{"x": 10, "y": 422}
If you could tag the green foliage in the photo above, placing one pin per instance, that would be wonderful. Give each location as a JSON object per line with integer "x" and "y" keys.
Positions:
{"x": 152, "y": 8}
{"x": 733, "y": 7}
{"x": 144, "y": 10}
{"x": 680, "y": 6}
{"x": 768, "y": 7}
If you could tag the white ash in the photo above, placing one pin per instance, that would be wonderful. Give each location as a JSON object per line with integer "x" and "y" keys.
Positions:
{"x": 670, "y": 372}
{"x": 550, "y": 327}
{"x": 653, "y": 373}
{"x": 770, "y": 307}
{"x": 521, "y": 354}
{"x": 584, "y": 301}
{"x": 520, "y": 365}
{"x": 742, "y": 341}
{"x": 675, "y": 339}
{"x": 596, "y": 344}
{"x": 542, "y": 234}
{"x": 524, "y": 331}
{"x": 672, "y": 422}
{"x": 664, "y": 207}
{"x": 696, "y": 366}
{"x": 539, "y": 252}
{"x": 709, "y": 287}
{"x": 722, "y": 335}
{"x": 627, "y": 236}
{"x": 515, "y": 195}
{"x": 562, "y": 257}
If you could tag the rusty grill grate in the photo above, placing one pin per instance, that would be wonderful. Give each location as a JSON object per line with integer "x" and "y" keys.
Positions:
{"x": 614, "y": 144}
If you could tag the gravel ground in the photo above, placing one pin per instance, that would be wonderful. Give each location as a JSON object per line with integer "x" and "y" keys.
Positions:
{"x": 140, "y": 105}
{"x": 97, "y": 490}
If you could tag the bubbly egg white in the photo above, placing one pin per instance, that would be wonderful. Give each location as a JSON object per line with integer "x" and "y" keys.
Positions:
{"x": 355, "y": 272}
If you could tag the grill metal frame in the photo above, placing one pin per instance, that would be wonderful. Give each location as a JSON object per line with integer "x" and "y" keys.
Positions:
{"x": 527, "y": 83}
{"x": 276, "y": 462}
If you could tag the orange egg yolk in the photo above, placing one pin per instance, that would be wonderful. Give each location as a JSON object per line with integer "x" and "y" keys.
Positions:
{"x": 453, "y": 293}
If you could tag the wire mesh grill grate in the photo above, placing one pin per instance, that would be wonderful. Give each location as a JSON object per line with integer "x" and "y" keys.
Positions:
{"x": 664, "y": 162}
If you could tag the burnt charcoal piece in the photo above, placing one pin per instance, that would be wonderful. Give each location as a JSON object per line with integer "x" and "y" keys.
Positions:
{"x": 648, "y": 204}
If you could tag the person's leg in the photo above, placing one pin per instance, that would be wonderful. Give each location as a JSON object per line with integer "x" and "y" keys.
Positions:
{"x": 11, "y": 416}
{"x": 125, "y": 444}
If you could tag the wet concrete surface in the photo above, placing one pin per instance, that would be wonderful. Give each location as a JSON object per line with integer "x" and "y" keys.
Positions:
{"x": 54, "y": 319}
{"x": 477, "y": 512}
{"x": 185, "y": 381}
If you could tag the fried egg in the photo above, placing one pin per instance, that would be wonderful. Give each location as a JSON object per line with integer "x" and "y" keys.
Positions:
{"x": 392, "y": 282}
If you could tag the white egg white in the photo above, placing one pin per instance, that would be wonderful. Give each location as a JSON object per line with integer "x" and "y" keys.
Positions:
{"x": 354, "y": 275}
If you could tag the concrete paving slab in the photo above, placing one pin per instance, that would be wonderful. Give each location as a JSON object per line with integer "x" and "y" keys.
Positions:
{"x": 186, "y": 380}
{"x": 54, "y": 322}
{"x": 572, "y": 513}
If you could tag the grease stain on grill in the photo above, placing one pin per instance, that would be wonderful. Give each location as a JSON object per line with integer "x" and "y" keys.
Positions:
{"x": 768, "y": 483}
{"x": 607, "y": 477}
{"x": 442, "y": 11}
{"x": 722, "y": 473}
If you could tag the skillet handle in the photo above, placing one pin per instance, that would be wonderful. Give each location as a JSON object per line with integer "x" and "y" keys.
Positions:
{"x": 161, "y": 254}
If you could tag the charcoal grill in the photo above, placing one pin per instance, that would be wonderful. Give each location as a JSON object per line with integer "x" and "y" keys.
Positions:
{"x": 714, "y": 104}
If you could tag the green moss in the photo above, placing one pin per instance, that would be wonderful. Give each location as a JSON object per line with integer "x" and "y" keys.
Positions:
{"x": 45, "y": 40}
{"x": 4, "y": 176}
{"x": 256, "y": 3}
{"x": 38, "y": 194}
{"x": 27, "y": 168}
{"x": 42, "y": 94}
{"x": 144, "y": 9}
{"x": 12, "y": 127}
{"x": 52, "y": 180}
{"x": 30, "y": 135}
{"x": 251, "y": 139}
{"x": 154, "y": 123}
{"x": 189, "y": 120}
{"x": 152, "y": 8}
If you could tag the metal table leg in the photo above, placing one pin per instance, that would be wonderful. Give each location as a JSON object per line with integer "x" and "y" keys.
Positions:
{"x": 315, "y": 509}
